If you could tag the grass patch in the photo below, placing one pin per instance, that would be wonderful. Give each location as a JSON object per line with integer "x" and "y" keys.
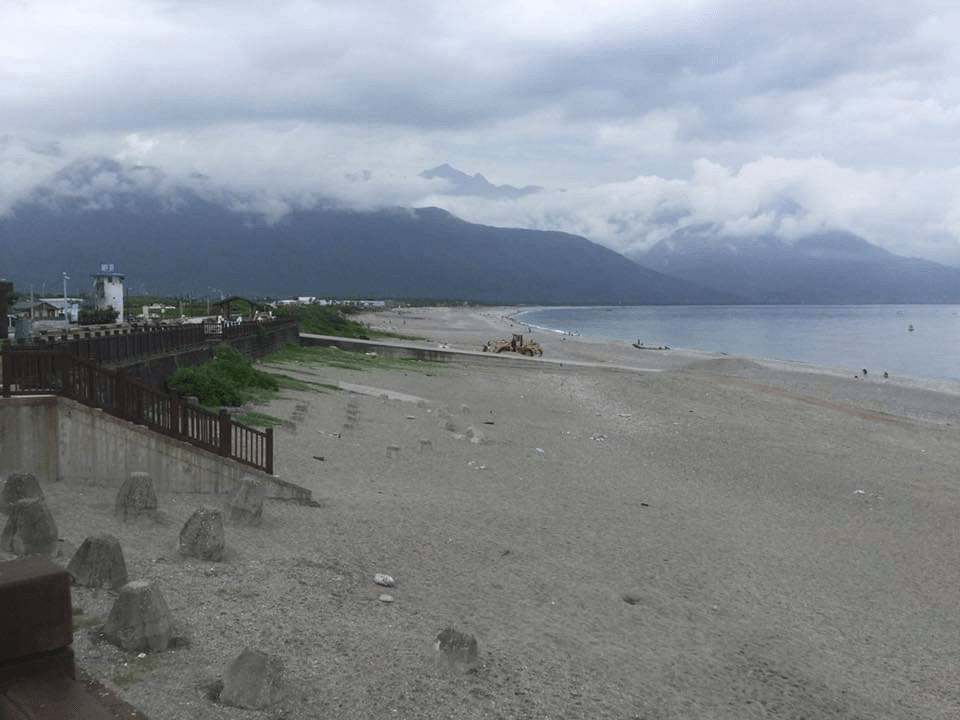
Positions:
{"x": 256, "y": 419}
{"x": 131, "y": 669}
{"x": 285, "y": 382}
{"x": 85, "y": 622}
{"x": 289, "y": 383}
{"x": 334, "y": 320}
{"x": 334, "y": 357}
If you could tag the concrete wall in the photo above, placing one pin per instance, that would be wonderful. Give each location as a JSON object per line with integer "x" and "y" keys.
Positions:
{"x": 59, "y": 439}
{"x": 28, "y": 436}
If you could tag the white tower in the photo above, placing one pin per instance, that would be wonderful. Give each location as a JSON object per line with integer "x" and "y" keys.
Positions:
{"x": 108, "y": 289}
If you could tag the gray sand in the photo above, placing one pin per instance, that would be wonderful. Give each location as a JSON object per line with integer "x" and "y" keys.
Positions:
{"x": 627, "y": 533}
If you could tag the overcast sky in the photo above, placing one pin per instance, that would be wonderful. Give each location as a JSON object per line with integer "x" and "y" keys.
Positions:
{"x": 637, "y": 118}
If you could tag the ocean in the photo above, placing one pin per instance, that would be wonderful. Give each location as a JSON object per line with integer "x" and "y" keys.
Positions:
{"x": 921, "y": 341}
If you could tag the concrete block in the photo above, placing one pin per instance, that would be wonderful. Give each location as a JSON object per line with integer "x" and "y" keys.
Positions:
{"x": 253, "y": 680}
{"x": 202, "y": 535}
{"x": 139, "y": 619}
{"x": 99, "y": 563}
{"x": 37, "y": 615}
{"x": 30, "y": 529}
{"x": 19, "y": 486}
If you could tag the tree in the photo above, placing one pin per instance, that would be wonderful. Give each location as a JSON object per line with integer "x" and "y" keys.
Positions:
{"x": 97, "y": 316}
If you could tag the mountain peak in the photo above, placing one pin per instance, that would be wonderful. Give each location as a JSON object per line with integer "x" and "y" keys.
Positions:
{"x": 459, "y": 183}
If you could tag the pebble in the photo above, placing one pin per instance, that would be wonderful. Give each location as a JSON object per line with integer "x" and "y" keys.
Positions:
{"x": 386, "y": 598}
{"x": 385, "y": 580}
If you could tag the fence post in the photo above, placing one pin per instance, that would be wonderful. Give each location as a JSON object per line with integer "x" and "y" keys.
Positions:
{"x": 5, "y": 370}
{"x": 225, "y": 433}
{"x": 269, "y": 451}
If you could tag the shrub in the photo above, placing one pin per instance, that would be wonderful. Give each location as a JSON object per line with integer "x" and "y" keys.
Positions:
{"x": 227, "y": 379}
{"x": 97, "y": 316}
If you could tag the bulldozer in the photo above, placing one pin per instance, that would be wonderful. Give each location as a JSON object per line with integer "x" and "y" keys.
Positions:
{"x": 516, "y": 345}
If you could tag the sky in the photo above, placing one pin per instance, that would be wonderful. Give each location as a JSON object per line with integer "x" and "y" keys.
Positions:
{"x": 639, "y": 120}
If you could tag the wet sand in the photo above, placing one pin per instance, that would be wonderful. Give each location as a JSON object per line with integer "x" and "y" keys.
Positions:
{"x": 627, "y": 533}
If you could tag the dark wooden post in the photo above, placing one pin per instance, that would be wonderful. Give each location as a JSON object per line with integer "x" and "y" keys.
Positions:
{"x": 225, "y": 433}
{"x": 5, "y": 369}
{"x": 269, "y": 451}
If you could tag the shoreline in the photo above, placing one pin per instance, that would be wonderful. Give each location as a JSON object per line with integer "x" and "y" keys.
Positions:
{"x": 949, "y": 384}
{"x": 468, "y": 328}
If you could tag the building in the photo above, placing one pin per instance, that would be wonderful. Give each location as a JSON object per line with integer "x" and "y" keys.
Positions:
{"x": 108, "y": 289}
{"x": 40, "y": 310}
{"x": 73, "y": 307}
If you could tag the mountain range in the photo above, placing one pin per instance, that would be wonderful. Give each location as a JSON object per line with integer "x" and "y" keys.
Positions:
{"x": 177, "y": 241}
{"x": 822, "y": 269}
{"x": 180, "y": 239}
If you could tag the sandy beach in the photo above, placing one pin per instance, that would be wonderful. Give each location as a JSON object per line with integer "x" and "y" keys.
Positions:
{"x": 627, "y": 533}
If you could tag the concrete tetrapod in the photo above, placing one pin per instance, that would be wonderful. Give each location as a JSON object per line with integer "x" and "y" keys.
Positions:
{"x": 245, "y": 506}
{"x": 456, "y": 648}
{"x": 19, "y": 486}
{"x": 253, "y": 680}
{"x": 136, "y": 498}
{"x": 202, "y": 535}
{"x": 30, "y": 529}
{"x": 140, "y": 619}
{"x": 99, "y": 563}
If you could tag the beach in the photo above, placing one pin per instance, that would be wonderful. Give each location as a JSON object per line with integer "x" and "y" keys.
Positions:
{"x": 628, "y": 533}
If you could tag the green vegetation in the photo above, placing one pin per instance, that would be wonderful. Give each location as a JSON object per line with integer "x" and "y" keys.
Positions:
{"x": 257, "y": 419}
{"x": 324, "y": 320}
{"x": 83, "y": 622}
{"x": 97, "y": 316}
{"x": 332, "y": 320}
{"x": 228, "y": 379}
{"x": 289, "y": 383}
{"x": 334, "y": 357}
{"x": 131, "y": 669}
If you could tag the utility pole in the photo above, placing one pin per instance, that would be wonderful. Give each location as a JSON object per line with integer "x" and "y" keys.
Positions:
{"x": 66, "y": 318}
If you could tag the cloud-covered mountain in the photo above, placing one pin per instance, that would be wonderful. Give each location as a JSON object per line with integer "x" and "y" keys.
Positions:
{"x": 459, "y": 183}
{"x": 174, "y": 239}
{"x": 825, "y": 268}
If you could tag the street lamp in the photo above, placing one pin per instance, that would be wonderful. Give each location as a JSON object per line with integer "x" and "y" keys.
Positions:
{"x": 66, "y": 318}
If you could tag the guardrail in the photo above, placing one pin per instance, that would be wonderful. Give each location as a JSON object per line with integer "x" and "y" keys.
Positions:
{"x": 30, "y": 372}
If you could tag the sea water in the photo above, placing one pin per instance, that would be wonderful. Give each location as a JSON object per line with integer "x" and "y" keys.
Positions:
{"x": 921, "y": 341}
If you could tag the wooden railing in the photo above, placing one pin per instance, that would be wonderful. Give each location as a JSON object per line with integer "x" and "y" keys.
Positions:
{"x": 30, "y": 372}
{"x": 119, "y": 345}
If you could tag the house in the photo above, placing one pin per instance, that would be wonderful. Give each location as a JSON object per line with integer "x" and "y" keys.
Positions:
{"x": 41, "y": 310}
{"x": 73, "y": 307}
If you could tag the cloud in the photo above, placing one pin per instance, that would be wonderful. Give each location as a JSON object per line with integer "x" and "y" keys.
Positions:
{"x": 638, "y": 117}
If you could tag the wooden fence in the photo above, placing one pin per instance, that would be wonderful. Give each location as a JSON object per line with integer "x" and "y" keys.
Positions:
{"x": 30, "y": 372}
{"x": 119, "y": 345}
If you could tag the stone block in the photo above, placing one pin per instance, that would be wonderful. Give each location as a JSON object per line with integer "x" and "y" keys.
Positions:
{"x": 456, "y": 648}
{"x": 140, "y": 620}
{"x": 245, "y": 506}
{"x": 136, "y": 498}
{"x": 37, "y": 615}
{"x": 202, "y": 535}
{"x": 99, "y": 563}
{"x": 254, "y": 680}
{"x": 30, "y": 529}
{"x": 19, "y": 486}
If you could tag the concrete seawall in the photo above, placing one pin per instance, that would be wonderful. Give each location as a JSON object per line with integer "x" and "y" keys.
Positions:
{"x": 407, "y": 349}
{"x": 61, "y": 440}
